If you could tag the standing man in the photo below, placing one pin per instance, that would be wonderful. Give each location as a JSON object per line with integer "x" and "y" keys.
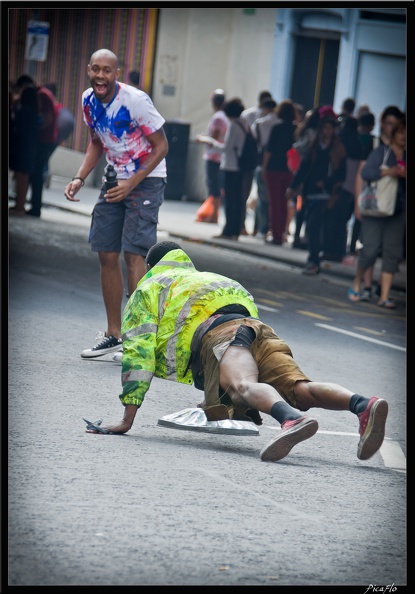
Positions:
{"x": 124, "y": 123}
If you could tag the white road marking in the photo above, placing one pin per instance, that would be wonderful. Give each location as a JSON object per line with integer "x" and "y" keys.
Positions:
{"x": 289, "y": 509}
{"x": 266, "y": 308}
{"x": 391, "y": 452}
{"x": 361, "y": 337}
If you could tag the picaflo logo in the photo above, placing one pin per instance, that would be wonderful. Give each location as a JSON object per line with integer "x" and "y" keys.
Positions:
{"x": 382, "y": 589}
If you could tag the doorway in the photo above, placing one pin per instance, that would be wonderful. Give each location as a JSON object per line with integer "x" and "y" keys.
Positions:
{"x": 315, "y": 71}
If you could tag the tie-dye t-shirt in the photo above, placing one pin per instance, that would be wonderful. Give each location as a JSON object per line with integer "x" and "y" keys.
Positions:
{"x": 122, "y": 126}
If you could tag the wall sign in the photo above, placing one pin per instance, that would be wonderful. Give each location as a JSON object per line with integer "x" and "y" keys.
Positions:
{"x": 37, "y": 41}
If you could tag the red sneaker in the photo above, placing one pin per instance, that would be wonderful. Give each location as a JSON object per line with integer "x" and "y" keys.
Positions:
{"x": 372, "y": 428}
{"x": 292, "y": 432}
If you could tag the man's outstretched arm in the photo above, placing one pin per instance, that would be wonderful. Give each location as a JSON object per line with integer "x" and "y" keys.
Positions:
{"x": 124, "y": 425}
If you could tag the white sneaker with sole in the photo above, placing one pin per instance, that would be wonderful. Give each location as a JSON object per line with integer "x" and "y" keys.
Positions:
{"x": 292, "y": 432}
{"x": 108, "y": 344}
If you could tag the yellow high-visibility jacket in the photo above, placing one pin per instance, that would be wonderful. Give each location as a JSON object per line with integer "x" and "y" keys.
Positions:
{"x": 161, "y": 316}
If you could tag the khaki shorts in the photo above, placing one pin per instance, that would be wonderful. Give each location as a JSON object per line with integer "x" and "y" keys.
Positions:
{"x": 272, "y": 355}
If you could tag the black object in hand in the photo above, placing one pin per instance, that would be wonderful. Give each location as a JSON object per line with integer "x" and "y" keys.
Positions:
{"x": 110, "y": 177}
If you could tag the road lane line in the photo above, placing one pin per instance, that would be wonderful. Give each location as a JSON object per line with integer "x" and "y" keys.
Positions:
{"x": 393, "y": 455}
{"x": 265, "y": 308}
{"x": 361, "y": 337}
{"x": 391, "y": 452}
{"x": 289, "y": 509}
{"x": 310, "y": 314}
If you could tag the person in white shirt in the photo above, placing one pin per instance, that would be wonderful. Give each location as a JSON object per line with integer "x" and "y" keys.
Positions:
{"x": 261, "y": 129}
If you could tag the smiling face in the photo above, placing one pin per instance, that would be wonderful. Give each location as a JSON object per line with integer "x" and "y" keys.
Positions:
{"x": 103, "y": 73}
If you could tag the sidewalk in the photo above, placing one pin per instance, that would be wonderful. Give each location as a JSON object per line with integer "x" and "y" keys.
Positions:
{"x": 177, "y": 218}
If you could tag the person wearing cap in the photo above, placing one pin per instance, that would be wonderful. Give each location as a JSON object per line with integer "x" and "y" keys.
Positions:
{"x": 190, "y": 326}
{"x": 319, "y": 177}
{"x": 217, "y": 126}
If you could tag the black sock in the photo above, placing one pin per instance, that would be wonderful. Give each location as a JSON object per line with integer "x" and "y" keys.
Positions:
{"x": 281, "y": 411}
{"x": 358, "y": 404}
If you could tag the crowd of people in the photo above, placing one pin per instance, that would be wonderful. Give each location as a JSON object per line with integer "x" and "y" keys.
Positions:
{"x": 309, "y": 170}
{"x": 311, "y": 167}
{"x": 38, "y": 123}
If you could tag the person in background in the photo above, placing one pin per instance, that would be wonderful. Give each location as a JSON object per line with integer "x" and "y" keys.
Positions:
{"x": 293, "y": 163}
{"x": 320, "y": 175}
{"x": 261, "y": 129}
{"x": 362, "y": 109}
{"x": 275, "y": 169}
{"x": 299, "y": 113}
{"x": 340, "y": 208}
{"x": 384, "y": 235}
{"x": 46, "y": 142}
{"x": 390, "y": 115}
{"x": 365, "y": 125}
{"x": 231, "y": 149}
{"x": 304, "y": 136}
{"x": 65, "y": 123}
{"x": 134, "y": 79}
{"x": 125, "y": 216}
{"x": 253, "y": 113}
{"x": 249, "y": 115}
{"x": 23, "y": 144}
{"x": 243, "y": 367}
{"x": 217, "y": 126}
{"x": 346, "y": 110}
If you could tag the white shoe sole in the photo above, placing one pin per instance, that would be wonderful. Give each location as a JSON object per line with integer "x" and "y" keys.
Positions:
{"x": 374, "y": 434}
{"x": 281, "y": 445}
{"x": 89, "y": 353}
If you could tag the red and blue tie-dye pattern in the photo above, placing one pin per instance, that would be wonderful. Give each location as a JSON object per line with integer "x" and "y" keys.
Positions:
{"x": 122, "y": 126}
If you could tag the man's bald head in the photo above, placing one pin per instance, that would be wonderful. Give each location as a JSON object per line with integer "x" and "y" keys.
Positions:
{"x": 101, "y": 53}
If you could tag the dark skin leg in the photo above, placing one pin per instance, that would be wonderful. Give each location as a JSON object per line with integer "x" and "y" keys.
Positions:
{"x": 112, "y": 284}
{"x": 238, "y": 376}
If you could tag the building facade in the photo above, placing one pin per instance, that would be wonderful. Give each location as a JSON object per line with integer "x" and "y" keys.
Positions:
{"x": 313, "y": 56}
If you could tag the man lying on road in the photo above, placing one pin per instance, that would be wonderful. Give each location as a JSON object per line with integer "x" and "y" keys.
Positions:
{"x": 188, "y": 326}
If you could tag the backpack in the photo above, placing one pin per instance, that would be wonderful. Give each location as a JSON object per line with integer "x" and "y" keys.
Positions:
{"x": 249, "y": 158}
{"x": 65, "y": 122}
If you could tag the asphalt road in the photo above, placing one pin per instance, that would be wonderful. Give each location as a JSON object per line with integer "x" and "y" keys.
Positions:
{"x": 161, "y": 507}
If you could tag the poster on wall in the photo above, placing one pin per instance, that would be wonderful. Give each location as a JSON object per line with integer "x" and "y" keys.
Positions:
{"x": 37, "y": 41}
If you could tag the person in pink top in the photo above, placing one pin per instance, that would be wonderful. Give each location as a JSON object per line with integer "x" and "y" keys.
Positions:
{"x": 217, "y": 126}
{"x": 125, "y": 125}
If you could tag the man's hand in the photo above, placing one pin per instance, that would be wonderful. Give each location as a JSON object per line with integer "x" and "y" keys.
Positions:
{"x": 122, "y": 427}
{"x": 120, "y": 191}
{"x": 73, "y": 188}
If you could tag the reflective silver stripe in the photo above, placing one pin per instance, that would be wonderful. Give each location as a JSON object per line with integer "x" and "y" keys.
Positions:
{"x": 143, "y": 329}
{"x": 137, "y": 375}
{"x": 174, "y": 264}
{"x": 202, "y": 291}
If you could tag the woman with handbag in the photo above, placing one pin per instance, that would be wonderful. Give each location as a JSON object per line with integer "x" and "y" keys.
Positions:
{"x": 384, "y": 235}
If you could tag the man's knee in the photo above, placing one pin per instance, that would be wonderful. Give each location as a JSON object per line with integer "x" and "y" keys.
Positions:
{"x": 108, "y": 258}
{"x": 302, "y": 395}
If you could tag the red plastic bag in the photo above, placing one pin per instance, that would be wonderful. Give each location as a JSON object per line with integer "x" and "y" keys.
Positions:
{"x": 206, "y": 211}
{"x": 293, "y": 159}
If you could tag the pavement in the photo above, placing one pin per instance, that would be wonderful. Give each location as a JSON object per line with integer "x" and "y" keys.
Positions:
{"x": 177, "y": 218}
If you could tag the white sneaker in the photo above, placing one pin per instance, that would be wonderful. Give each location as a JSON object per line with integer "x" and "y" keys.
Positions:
{"x": 108, "y": 344}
